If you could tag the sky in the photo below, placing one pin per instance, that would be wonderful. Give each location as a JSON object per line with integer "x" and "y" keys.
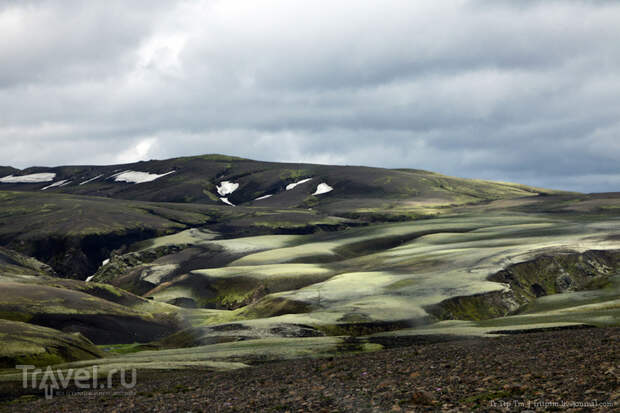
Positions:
{"x": 524, "y": 91}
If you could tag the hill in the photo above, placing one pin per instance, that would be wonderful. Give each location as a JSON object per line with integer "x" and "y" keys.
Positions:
{"x": 175, "y": 264}
{"x": 73, "y": 217}
{"x": 284, "y": 185}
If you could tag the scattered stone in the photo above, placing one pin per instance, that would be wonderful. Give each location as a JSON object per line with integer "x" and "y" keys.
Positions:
{"x": 568, "y": 364}
{"x": 422, "y": 397}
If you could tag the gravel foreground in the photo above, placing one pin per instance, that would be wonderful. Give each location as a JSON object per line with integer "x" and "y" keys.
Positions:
{"x": 566, "y": 370}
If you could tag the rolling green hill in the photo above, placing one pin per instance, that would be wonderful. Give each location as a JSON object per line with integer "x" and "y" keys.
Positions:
{"x": 179, "y": 257}
{"x": 73, "y": 217}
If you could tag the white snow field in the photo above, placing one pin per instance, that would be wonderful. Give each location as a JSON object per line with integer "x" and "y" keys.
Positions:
{"x": 263, "y": 197}
{"x": 293, "y": 185}
{"x": 90, "y": 180}
{"x": 57, "y": 184}
{"x": 28, "y": 179}
{"x": 226, "y": 201}
{"x": 227, "y": 187}
{"x": 322, "y": 188}
{"x": 134, "y": 177}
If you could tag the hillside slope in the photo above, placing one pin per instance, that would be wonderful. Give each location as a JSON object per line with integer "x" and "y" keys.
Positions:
{"x": 74, "y": 217}
{"x": 154, "y": 256}
{"x": 199, "y": 180}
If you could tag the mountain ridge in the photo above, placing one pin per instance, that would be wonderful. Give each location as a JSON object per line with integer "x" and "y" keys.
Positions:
{"x": 196, "y": 180}
{"x": 115, "y": 205}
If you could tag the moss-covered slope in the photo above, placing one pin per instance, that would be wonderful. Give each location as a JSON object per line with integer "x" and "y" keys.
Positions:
{"x": 28, "y": 344}
{"x": 547, "y": 274}
{"x": 68, "y": 310}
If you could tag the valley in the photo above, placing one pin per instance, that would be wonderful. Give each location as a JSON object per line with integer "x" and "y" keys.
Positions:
{"x": 220, "y": 263}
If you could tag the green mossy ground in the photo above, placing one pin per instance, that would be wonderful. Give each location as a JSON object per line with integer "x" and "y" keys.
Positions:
{"x": 39, "y": 346}
{"x": 383, "y": 267}
{"x": 273, "y": 306}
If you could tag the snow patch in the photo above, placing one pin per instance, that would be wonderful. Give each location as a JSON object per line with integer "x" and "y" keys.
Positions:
{"x": 137, "y": 177}
{"x": 104, "y": 262}
{"x": 293, "y": 185}
{"x": 227, "y": 187}
{"x": 226, "y": 201}
{"x": 322, "y": 188}
{"x": 263, "y": 197}
{"x": 90, "y": 180}
{"x": 57, "y": 184}
{"x": 28, "y": 179}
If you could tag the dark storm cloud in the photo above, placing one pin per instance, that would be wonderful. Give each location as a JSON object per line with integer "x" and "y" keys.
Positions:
{"x": 520, "y": 91}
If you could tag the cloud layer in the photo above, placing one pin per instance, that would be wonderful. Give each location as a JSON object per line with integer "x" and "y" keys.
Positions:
{"x": 520, "y": 91}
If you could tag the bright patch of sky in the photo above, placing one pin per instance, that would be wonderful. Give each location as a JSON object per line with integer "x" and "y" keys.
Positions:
{"x": 139, "y": 152}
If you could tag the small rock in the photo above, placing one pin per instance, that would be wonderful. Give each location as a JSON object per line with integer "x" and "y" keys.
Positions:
{"x": 515, "y": 387}
{"x": 383, "y": 384}
{"x": 454, "y": 379}
{"x": 423, "y": 397}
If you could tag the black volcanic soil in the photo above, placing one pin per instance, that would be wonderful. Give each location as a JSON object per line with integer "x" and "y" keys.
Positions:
{"x": 566, "y": 370}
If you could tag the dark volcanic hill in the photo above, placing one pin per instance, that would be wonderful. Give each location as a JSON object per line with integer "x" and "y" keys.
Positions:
{"x": 73, "y": 217}
{"x": 220, "y": 263}
{"x": 196, "y": 180}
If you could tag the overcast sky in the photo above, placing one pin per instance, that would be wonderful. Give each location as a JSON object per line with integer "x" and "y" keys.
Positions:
{"x": 525, "y": 91}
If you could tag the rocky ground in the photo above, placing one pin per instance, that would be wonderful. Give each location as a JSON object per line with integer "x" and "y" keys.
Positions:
{"x": 566, "y": 370}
